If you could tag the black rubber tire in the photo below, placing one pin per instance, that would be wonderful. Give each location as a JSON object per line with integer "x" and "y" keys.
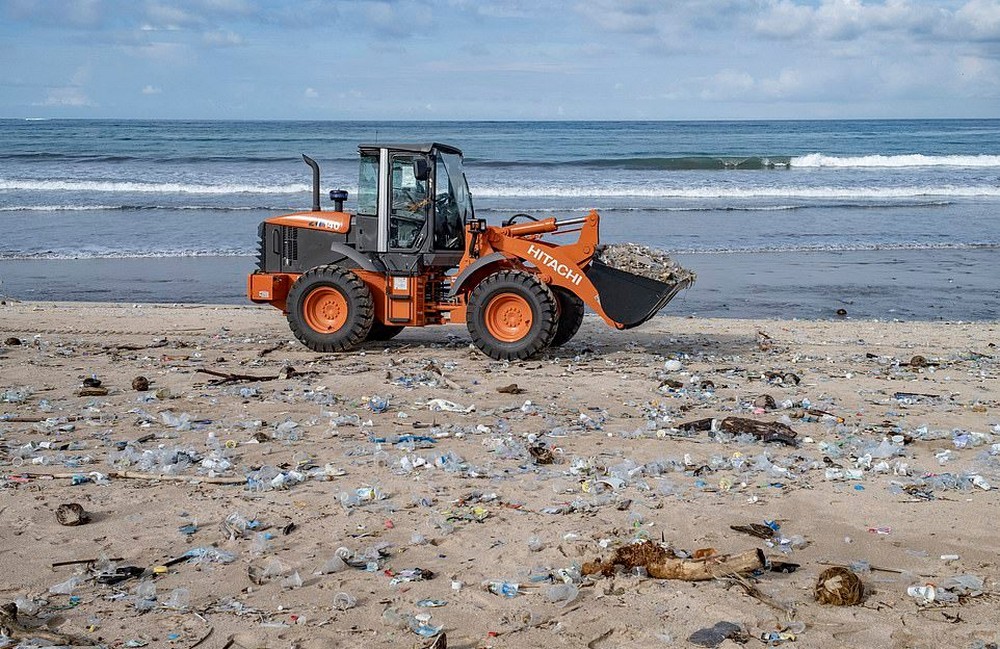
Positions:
{"x": 570, "y": 316}
{"x": 360, "y": 309}
{"x": 543, "y": 315}
{"x": 381, "y": 331}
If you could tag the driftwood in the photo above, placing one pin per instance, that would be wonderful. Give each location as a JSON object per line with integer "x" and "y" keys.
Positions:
{"x": 234, "y": 378}
{"x": 718, "y": 565}
{"x": 76, "y": 562}
{"x": 654, "y": 558}
{"x": 225, "y": 377}
{"x": 765, "y": 431}
{"x": 698, "y": 425}
{"x": 758, "y": 594}
{"x": 135, "y": 475}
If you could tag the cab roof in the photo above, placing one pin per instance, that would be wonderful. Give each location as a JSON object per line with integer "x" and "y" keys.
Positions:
{"x": 426, "y": 147}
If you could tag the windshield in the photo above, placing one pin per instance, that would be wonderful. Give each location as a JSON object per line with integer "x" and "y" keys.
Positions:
{"x": 459, "y": 188}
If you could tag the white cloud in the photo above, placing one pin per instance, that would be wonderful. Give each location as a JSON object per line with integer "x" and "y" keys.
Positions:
{"x": 222, "y": 38}
{"x": 980, "y": 19}
{"x": 67, "y": 96}
{"x": 311, "y": 93}
{"x": 152, "y": 90}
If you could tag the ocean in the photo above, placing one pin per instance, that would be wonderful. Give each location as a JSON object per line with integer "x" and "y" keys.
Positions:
{"x": 882, "y": 218}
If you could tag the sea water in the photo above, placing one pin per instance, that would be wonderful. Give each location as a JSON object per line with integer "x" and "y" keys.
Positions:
{"x": 784, "y": 218}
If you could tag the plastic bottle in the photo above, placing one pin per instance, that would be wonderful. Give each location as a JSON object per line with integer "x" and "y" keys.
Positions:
{"x": 66, "y": 587}
{"x": 561, "y": 594}
{"x": 344, "y": 601}
{"x": 179, "y": 599}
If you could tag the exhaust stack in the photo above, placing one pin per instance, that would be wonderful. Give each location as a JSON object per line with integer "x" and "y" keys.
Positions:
{"x": 315, "y": 168}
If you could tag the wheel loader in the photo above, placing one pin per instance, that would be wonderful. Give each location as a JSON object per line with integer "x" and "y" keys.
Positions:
{"x": 414, "y": 254}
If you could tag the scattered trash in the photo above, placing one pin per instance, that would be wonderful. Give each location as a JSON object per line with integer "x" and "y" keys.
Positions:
{"x": 503, "y": 588}
{"x": 443, "y": 405}
{"x": 140, "y": 384}
{"x": 716, "y": 634}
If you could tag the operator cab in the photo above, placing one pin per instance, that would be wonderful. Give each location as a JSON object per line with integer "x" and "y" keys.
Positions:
{"x": 413, "y": 203}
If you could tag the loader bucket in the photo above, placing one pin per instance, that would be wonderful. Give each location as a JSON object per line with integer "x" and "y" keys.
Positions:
{"x": 630, "y": 299}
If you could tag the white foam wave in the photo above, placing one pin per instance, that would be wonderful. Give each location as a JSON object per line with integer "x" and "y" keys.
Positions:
{"x": 815, "y": 193}
{"x": 127, "y": 254}
{"x": 147, "y": 188}
{"x": 852, "y": 247}
{"x": 910, "y": 160}
{"x": 236, "y": 252}
{"x": 128, "y": 208}
{"x": 57, "y": 208}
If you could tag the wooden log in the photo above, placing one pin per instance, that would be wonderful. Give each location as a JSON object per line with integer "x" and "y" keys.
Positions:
{"x": 135, "y": 475}
{"x": 713, "y": 567}
{"x": 765, "y": 431}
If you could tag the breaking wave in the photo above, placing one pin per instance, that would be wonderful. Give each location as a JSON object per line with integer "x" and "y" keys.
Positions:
{"x": 64, "y": 254}
{"x": 138, "y": 208}
{"x": 122, "y": 254}
{"x": 814, "y": 193}
{"x": 852, "y": 247}
{"x": 754, "y": 162}
{"x": 882, "y": 161}
{"x": 147, "y": 188}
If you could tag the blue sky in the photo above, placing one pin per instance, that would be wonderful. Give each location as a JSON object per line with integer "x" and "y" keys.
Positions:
{"x": 503, "y": 59}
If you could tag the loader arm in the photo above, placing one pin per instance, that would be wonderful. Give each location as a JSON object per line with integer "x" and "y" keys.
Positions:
{"x": 557, "y": 264}
{"x": 621, "y": 299}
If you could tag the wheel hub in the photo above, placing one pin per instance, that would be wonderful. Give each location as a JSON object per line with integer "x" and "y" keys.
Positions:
{"x": 508, "y": 317}
{"x": 325, "y": 309}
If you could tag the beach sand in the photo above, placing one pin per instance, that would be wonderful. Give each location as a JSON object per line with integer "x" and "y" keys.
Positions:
{"x": 466, "y": 512}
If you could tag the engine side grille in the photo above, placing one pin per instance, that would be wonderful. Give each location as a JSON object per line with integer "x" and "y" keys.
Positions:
{"x": 290, "y": 245}
{"x": 261, "y": 248}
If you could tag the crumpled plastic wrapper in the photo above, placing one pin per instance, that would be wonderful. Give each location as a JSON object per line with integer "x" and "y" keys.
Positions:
{"x": 645, "y": 261}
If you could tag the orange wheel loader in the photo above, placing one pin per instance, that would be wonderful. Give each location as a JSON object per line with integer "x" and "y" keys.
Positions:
{"x": 413, "y": 254}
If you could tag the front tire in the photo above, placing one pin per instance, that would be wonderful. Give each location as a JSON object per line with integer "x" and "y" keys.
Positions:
{"x": 570, "y": 316}
{"x": 511, "y": 315}
{"x": 330, "y": 309}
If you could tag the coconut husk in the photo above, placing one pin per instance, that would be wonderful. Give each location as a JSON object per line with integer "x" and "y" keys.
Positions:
{"x": 644, "y": 261}
{"x": 839, "y": 586}
{"x": 71, "y": 514}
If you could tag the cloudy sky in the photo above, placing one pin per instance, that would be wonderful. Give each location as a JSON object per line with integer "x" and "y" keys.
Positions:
{"x": 500, "y": 59}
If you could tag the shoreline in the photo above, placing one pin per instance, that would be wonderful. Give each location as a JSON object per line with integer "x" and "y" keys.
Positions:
{"x": 924, "y": 285}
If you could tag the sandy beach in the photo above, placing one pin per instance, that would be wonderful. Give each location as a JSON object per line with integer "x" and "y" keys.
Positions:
{"x": 260, "y": 459}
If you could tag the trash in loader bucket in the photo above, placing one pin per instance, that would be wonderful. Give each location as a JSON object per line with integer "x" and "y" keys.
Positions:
{"x": 645, "y": 262}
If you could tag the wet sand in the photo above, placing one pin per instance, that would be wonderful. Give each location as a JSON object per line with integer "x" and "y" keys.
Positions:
{"x": 944, "y": 284}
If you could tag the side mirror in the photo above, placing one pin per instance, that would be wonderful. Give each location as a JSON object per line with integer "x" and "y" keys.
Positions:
{"x": 421, "y": 170}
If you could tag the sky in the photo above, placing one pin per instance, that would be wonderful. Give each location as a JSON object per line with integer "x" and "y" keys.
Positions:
{"x": 500, "y": 59}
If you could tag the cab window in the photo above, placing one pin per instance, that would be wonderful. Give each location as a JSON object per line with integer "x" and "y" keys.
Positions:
{"x": 448, "y": 225}
{"x": 368, "y": 186}
{"x": 410, "y": 203}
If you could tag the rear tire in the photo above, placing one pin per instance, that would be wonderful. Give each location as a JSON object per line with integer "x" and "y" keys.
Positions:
{"x": 511, "y": 315}
{"x": 381, "y": 332}
{"x": 570, "y": 316}
{"x": 330, "y": 309}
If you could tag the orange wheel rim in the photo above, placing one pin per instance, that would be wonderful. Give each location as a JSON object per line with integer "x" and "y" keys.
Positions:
{"x": 508, "y": 317}
{"x": 325, "y": 309}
